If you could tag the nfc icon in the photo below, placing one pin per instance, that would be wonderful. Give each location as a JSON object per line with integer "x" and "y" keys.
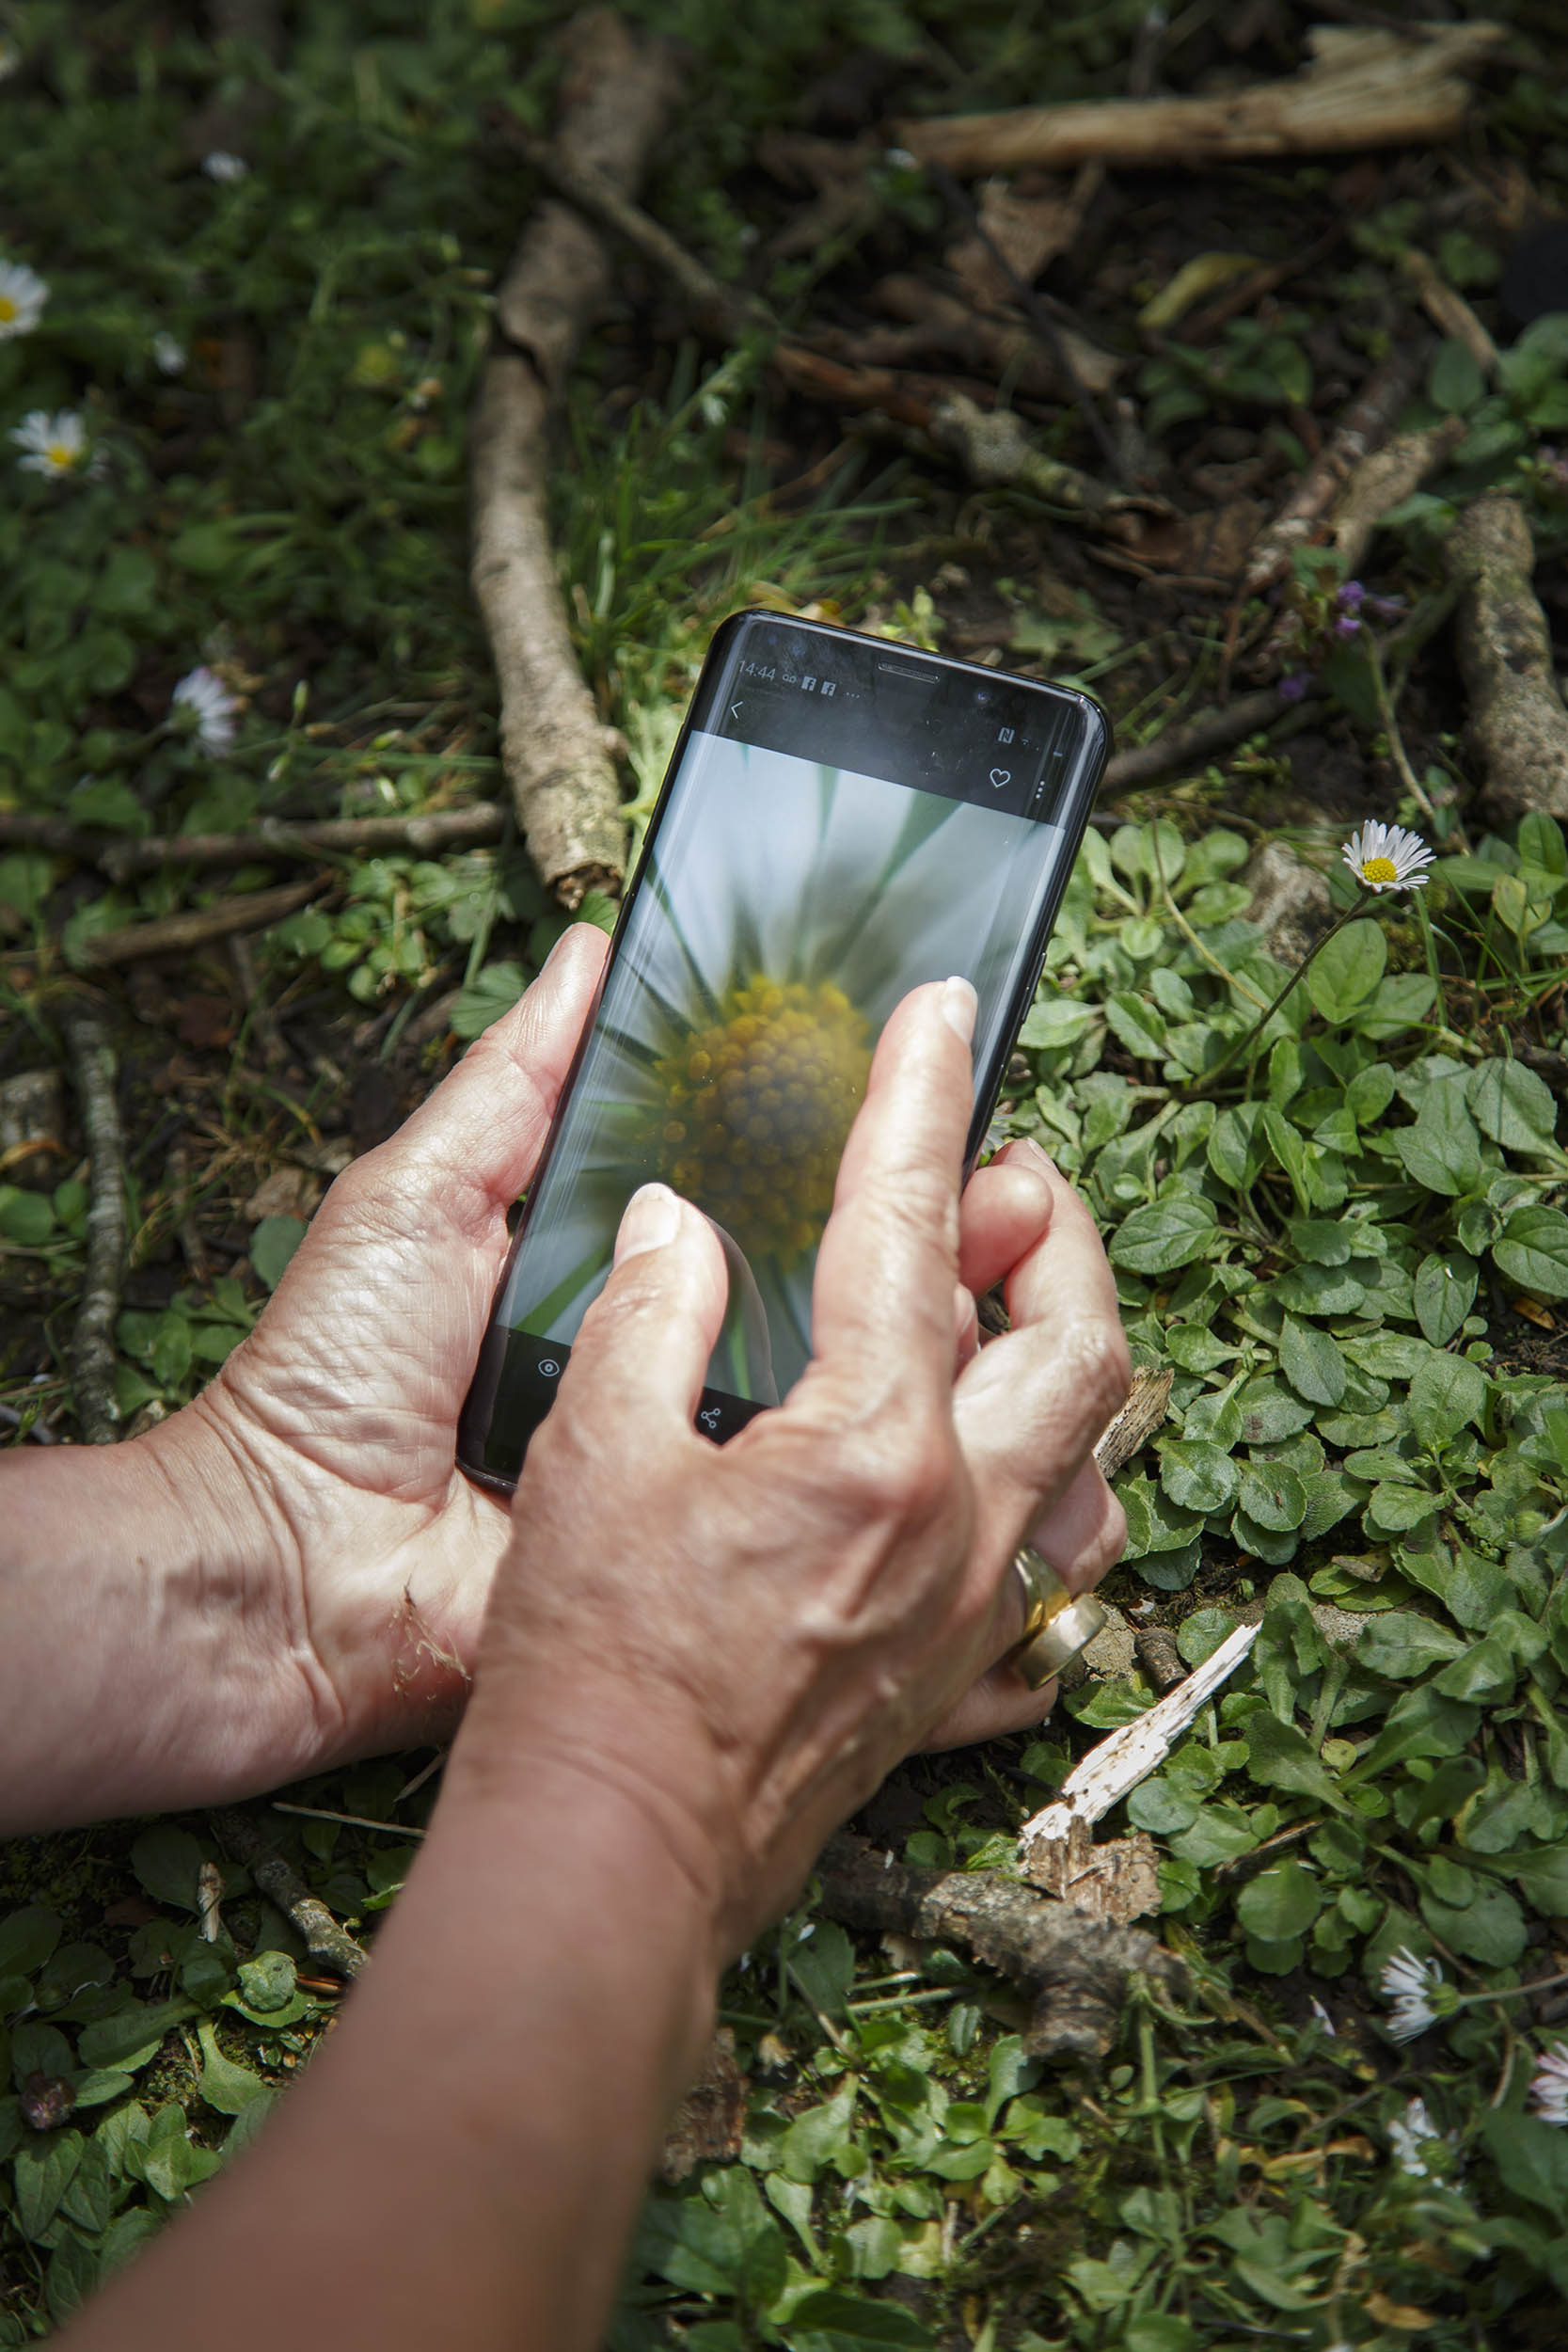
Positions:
{"x": 1003, "y": 734}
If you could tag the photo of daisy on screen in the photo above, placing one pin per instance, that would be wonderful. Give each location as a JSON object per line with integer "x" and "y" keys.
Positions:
{"x": 784, "y": 910}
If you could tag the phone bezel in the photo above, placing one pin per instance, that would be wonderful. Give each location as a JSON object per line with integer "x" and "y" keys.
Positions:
{"x": 1071, "y": 819}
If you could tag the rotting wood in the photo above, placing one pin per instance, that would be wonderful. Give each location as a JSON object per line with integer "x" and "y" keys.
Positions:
{"x": 278, "y": 1879}
{"x": 558, "y": 754}
{"x": 92, "y": 1343}
{"x": 1362, "y": 87}
{"x": 1074, "y": 1968}
{"x": 1517, "y": 720}
{"x": 1384, "y": 479}
{"x": 708, "y": 2124}
{"x": 177, "y": 934}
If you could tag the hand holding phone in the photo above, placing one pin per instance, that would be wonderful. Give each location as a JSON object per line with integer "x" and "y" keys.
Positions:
{"x": 843, "y": 819}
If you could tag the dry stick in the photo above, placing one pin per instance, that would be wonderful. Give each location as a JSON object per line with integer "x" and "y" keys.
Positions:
{"x": 324, "y": 1940}
{"x": 1075, "y": 1967}
{"x": 1148, "y": 1402}
{"x": 1505, "y": 654}
{"x": 271, "y": 842}
{"x": 1194, "y": 742}
{"x": 1363, "y": 88}
{"x": 1448, "y": 308}
{"x": 92, "y": 1345}
{"x": 1366, "y": 422}
{"x": 557, "y": 752}
{"x": 177, "y": 934}
{"x": 992, "y": 447}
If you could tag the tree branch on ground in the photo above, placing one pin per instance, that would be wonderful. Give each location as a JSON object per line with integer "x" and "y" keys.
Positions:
{"x": 1517, "y": 721}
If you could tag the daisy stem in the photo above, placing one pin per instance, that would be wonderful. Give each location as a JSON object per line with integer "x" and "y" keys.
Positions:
{"x": 1240, "y": 1047}
{"x": 1506, "y": 1992}
{"x": 1429, "y": 944}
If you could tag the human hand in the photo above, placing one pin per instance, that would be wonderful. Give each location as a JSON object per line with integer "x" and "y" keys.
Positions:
{"x": 738, "y": 1642}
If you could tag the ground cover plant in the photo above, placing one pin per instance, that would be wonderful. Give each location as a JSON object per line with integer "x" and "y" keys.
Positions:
{"x": 1324, "y": 1145}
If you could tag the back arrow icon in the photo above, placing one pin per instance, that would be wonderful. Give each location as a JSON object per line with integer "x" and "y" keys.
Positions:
{"x": 734, "y": 710}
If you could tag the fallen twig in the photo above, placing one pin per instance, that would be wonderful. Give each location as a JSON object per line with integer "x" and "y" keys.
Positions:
{"x": 1365, "y": 425}
{"x": 92, "y": 1344}
{"x": 1074, "y": 1968}
{"x": 272, "y": 842}
{"x": 177, "y": 934}
{"x": 324, "y": 1940}
{"x": 938, "y": 323}
{"x": 557, "y": 752}
{"x": 1362, "y": 87}
{"x": 1505, "y": 652}
{"x": 1148, "y": 1402}
{"x": 1448, "y": 308}
{"x": 1105, "y": 1775}
{"x": 1197, "y": 741}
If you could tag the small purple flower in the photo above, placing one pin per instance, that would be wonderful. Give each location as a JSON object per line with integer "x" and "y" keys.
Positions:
{"x": 1347, "y": 625}
{"x": 1349, "y": 597}
{"x": 1292, "y": 686}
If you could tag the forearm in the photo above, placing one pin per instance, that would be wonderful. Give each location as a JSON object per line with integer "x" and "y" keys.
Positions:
{"x": 465, "y": 2159}
{"x": 145, "y": 1630}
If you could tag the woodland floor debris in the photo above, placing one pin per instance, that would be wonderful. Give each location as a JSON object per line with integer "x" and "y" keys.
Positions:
{"x": 560, "y": 757}
{"x": 1516, "y": 715}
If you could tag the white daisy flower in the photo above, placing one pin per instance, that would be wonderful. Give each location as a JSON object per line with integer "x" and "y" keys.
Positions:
{"x": 211, "y": 705}
{"x": 1417, "y": 2131}
{"x": 223, "y": 167}
{"x": 1408, "y": 1983}
{"x": 54, "y": 445}
{"x": 23, "y": 295}
{"x": 168, "y": 353}
{"x": 1549, "y": 2087}
{"x": 1385, "y": 857}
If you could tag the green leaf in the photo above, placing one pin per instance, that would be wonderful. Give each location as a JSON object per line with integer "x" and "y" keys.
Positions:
{"x": 1280, "y": 1903}
{"x": 1198, "y": 1476}
{"x": 1280, "y": 1756}
{"x": 27, "y": 1938}
{"x": 1532, "y": 1250}
{"x": 1446, "y": 1392}
{"x": 1445, "y": 1290}
{"x": 1164, "y": 1234}
{"x": 1513, "y": 1107}
{"x": 26, "y": 1218}
{"x": 1454, "y": 381}
{"x": 492, "y": 992}
{"x": 1273, "y": 1497}
{"x": 819, "y": 2136}
{"x": 1137, "y": 1024}
{"x": 273, "y": 1244}
{"x": 1399, "y": 1643}
{"x": 1420, "y": 1722}
{"x": 832, "y": 2321}
{"x": 131, "y": 2036}
{"x": 1159, "y": 1807}
{"x": 268, "y": 1981}
{"x": 1200, "y": 1636}
{"x": 1346, "y": 970}
{"x": 823, "y": 1961}
{"x": 1056, "y": 1020}
{"x": 168, "y": 1861}
{"x": 1442, "y": 1150}
{"x": 42, "y": 2171}
{"x": 230, "y": 2089}
{"x": 1312, "y": 1364}
{"x": 1289, "y": 1147}
{"x": 1531, "y": 2159}
{"x": 1489, "y": 1929}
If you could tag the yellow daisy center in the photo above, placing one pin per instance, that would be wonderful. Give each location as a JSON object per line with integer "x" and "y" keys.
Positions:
{"x": 60, "y": 454}
{"x": 1379, "y": 869}
{"x": 757, "y": 1105}
{"x": 8, "y": 310}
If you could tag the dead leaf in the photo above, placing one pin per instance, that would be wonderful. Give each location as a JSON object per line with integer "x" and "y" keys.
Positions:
{"x": 205, "y": 1021}
{"x": 708, "y": 2125}
{"x": 1211, "y": 545}
{"x": 1534, "y": 1312}
{"x": 1030, "y": 228}
{"x": 287, "y": 1192}
{"x": 1407, "y": 2316}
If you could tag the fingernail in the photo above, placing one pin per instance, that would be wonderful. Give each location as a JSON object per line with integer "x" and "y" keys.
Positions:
{"x": 959, "y": 1006}
{"x": 651, "y": 1220}
{"x": 1020, "y": 1145}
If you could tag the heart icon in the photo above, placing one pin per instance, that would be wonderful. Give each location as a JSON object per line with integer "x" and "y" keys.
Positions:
{"x": 1000, "y": 776}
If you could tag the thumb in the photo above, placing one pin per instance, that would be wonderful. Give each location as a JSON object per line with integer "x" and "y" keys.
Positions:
{"x": 642, "y": 1351}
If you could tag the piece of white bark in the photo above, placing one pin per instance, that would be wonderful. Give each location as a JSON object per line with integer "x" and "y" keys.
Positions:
{"x": 1119, "y": 1763}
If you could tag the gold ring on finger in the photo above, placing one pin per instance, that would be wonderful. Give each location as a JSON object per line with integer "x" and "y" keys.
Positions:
{"x": 1058, "y": 1624}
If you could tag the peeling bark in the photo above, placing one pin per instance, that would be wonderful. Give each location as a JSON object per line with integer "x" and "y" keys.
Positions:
{"x": 1517, "y": 721}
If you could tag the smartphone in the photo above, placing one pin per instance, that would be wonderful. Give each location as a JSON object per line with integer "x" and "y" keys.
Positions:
{"x": 844, "y": 818}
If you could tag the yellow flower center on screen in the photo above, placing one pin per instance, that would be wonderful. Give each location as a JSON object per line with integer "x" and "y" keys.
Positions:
{"x": 1379, "y": 869}
{"x": 757, "y": 1105}
{"x": 8, "y": 310}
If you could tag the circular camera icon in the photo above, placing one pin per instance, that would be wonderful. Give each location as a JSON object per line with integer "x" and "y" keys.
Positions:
{"x": 548, "y": 1367}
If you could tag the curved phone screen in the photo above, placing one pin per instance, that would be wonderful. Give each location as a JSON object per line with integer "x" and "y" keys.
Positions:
{"x": 785, "y": 905}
